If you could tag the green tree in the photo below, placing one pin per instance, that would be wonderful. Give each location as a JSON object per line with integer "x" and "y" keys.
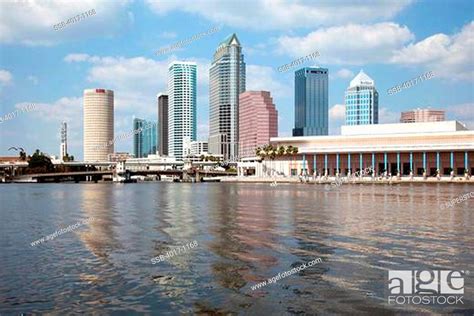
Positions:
{"x": 40, "y": 162}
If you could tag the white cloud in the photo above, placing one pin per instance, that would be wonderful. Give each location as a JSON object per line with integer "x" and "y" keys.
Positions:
{"x": 49, "y": 115}
{"x": 65, "y": 109}
{"x": 337, "y": 117}
{"x": 31, "y": 23}
{"x": 461, "y": 112}
{"x": 33, "y": 79}
{"x": 135, "y": 81}
{"x": 355, "y": 44}
{"x": 387, "y": 116}
{"x": 131, "y": 17}
{"x": 281, "y": 14}
{"x": 77, "y": 58}
{"x": 168, "y": 35}
{"x": 337, "y": 112}
{"x": 448, "y": 57}
{"x": 264, "y": 78}
{"x": 5, "y": 77}
{"x": 343, "y": 73}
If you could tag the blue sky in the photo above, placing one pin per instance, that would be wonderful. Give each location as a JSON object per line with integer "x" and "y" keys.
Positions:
{"x": 392, "y": 41}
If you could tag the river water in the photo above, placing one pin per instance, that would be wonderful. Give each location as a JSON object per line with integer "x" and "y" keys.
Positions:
{"x": 245, "y": 234}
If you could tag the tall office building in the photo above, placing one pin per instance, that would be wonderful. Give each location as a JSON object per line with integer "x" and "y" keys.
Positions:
{"x": 258, "y": 121}
{"x": 181, "y": 107}
{"x": 311, "y": 101}
{"x": 422, "y": 115}
{"x": 362, "y": 101}
{"x": 226, "y": 82}
{"x": 98, "y": 124}
{"x": 144, "y": 138}
{"x": 163, "y": 124}
{"x": 63, "y": 149}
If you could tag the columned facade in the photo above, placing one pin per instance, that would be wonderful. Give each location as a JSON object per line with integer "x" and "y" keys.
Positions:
{"x": 390, "y": 162}
{"x": 430, "y": 153}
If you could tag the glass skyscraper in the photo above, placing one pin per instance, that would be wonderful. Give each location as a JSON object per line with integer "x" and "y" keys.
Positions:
{"x": 144, "y": 138}
{"x": 362, "y": 101}
{"x": 182, "y": 122}
{"x": 226, "y": 82}
{"x": 311, "y": 101}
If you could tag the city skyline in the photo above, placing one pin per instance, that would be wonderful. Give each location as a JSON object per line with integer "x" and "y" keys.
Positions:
{"x": 391, "y": 59}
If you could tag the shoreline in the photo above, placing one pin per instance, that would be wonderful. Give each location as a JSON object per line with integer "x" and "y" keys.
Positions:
{"x": 296, "y": 180}
{"x": 416, "y": 180}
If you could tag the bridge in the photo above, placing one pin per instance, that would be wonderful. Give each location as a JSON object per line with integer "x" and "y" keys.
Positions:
{"x": 75, "y": 176}
{"x": 95, "y": 176}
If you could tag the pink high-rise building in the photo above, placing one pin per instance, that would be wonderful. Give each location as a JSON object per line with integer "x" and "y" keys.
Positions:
{"x": 258, "y": 121}
{"x": 422, "y": 115}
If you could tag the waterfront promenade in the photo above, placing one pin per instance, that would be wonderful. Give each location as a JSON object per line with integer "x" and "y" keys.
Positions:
{"x": 344, "y": 180}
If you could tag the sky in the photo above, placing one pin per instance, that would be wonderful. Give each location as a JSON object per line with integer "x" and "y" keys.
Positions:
{"x": 392, "y": 41}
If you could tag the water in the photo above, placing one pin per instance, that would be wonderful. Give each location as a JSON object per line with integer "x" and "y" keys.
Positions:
{"x": 246, "y": 233}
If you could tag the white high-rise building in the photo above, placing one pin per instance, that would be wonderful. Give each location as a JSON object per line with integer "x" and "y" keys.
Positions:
{"x": 63, "y": 149}
{"x": 362, "y": 101}
{"x": 198, "y": 147}
{"x": 226, "y": 82}
{"x": 182, "y": 124}
{"x": 98, "y": 124}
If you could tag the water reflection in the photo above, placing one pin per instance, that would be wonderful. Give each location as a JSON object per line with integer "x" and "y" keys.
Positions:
{"x": 246, "y": 233}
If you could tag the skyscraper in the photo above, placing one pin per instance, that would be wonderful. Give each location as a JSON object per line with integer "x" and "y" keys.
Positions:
{"x": 98, "y": 124}
{"x": 163, "y": 124}
{"x": 362, "y": 101}
{"x": 144, "y": 138}
{"x": 226, "y": 82}
{"x": 63, "y": 149}
{"x": 311, "y": 101}
{"x": 258, "y": 121}
{"x": 182, "y": 77}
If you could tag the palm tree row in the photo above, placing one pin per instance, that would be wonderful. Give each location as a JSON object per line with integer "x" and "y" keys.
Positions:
{"x": 273, "y": 152}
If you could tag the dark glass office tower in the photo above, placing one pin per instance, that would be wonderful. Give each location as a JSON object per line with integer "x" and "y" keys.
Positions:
{"x": 163, "y": 124}
{"x": 311, "y": 102}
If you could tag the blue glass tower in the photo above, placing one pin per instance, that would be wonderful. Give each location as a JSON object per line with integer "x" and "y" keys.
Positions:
{"x": 311, "y": 101}
{"x": 144, "y": 138}
{"x": 362, "y": 101}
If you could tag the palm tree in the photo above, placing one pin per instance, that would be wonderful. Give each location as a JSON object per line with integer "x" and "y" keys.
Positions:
{"x": 281, "y": 150}
{"x": 261, "y": 152}
{"x": 290, "y": 150}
